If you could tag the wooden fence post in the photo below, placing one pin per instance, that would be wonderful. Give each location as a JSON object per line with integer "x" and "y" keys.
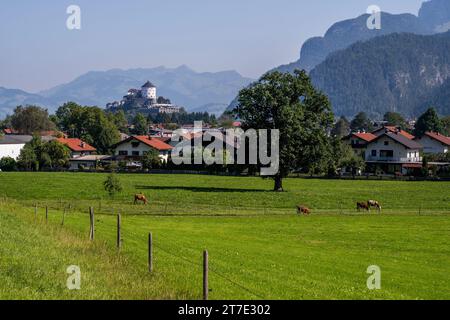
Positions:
{"x": 92, "y": 230}
{"x": 119, "y": 236}
{"x": 46, "y": 214}
{"x": 64, "y": 216}
{"x": 150, "y": 252}
{"x": 205, "y": 275}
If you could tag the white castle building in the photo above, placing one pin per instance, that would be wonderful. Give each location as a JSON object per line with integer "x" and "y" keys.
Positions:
{"x": 147, "y": 99}
{"x": 148, "y": 91}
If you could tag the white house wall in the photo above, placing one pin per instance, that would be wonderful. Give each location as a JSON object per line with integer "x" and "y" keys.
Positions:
{"x": 10, "y": 150}
{"x": 432, "y": 146}
{"x": 141, "y": 148}
{"x": 399, "y": 150}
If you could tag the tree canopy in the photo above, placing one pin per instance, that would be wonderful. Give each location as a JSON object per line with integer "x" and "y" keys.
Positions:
{"x": 31, "y": 119}
{"x": 395, "y": 119}
{"x": 361, "y": 122}
{"x": 302, "y": 114}
{"x": 89, "y": 124}
{"x": 37, "y": 155}
{"x": 429, "y": 121}
{"x": 341, "y": 128}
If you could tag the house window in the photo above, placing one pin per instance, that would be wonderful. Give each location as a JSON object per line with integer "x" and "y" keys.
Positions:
{"x": 135, "y": 153}
{"x": 387, "y": 153}
{"x": 135, "y": 144}
{"x": 386, "y": 143}
{"x": 374, "y": 153}
{"x": 123, "y": 153}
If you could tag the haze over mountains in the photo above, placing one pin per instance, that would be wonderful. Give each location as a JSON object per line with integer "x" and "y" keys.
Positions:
{"x": 195, "y": 91}
{"x": 330, "y": 68}
{"x": 320, "y": 56}
{"x": 434, "y": 16}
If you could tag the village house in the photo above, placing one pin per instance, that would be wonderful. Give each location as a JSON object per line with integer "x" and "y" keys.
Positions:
{"x": 88, "y": 162}
{"x": 434, "y": 143}
{"x": 133, "y": 148}
{"x": 393, "y": 129}
{"x": 392, "y": 152}
{"x": 11, "y": 145}
{"x": 82, "y": 155}
{"x": 358, "y": 141}
{"x": 77, "y": 147}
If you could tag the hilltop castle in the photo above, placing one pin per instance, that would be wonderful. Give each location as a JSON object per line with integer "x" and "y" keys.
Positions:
{"x": 144, "y": 100}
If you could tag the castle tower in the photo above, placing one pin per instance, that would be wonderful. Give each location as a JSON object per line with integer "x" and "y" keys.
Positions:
{"x": 148, "y": 91}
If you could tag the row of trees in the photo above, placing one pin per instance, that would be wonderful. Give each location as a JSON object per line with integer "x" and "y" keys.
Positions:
{"x": 92, "y": 124}
{"x": 429, "y": 121}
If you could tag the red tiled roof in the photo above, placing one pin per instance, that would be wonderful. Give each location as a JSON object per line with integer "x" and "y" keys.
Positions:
{"x": 9, "y": 131}
{"x": 398, "y": 137}
{"x": 76, "y": 145}
{"x": 365, "y": 136}
{"x": 153, "y": 142}
{"x": 395, "y": 130}
{"x": 439, "y": 137}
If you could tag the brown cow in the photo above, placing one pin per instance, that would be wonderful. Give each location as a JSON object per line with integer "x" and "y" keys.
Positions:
{"x": 374, "y": 204}
{"x": 140, "y": 197}
{"x": 303, "y": 210}
{"x": 363, "y": 206}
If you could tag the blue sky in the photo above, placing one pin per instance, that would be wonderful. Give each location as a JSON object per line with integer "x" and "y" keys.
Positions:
{"x": 250, "y": 36}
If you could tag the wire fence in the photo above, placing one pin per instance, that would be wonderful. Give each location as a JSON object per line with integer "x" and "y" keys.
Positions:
{"x": 167, "y": 209}
{"x": 49, "y": 214}
{"x": 64, "y": 208}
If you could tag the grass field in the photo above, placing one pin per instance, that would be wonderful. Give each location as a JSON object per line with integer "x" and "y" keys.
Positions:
{"x": 259, "y": 248}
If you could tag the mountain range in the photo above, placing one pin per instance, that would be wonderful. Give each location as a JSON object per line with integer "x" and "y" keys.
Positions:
{"x": 185, "y": 87}
{"x": 403, "y": 73}
{"x": 320, "y": 56}
{"x": 333, "y": 56}
{"x": 434, "y": 17}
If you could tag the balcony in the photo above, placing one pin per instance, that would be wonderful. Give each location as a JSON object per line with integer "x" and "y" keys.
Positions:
{"x": 391, "y": 159}
{"x": 409, "y": 160}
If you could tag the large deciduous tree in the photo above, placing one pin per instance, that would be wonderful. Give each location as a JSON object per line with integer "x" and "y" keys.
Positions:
{"x": 429, "y": 121}
{"x": 89, "y": 124}
{"x": 361, "y": 122}
{"x": 395, "y": 119}
{"x": 302, "y": 114}
{"x": 341, "y": 128}
{"x": 31, "y": 119}
{"x": 446, "y": 125}
{"x": 36, "y": 155}
{"x": 140, "y": 125}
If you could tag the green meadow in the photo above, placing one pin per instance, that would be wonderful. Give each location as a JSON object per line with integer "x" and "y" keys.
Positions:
{"x": 258, "y": 247}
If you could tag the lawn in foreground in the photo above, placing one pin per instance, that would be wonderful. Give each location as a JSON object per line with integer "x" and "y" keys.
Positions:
{"x": 34, "y": 257}
{"x": 288, "y": 257}
{"x": 269, "y": 254}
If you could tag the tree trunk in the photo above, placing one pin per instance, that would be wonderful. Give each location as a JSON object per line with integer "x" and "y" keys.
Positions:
{"x": 278, "y": 184}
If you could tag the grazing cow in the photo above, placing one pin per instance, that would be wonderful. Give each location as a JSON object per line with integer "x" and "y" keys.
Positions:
{"x": 303, "y": 210}
{"x": 374, "y": 204}
{"x": 362, "y": 206}
{"x": 140, "y": 197}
